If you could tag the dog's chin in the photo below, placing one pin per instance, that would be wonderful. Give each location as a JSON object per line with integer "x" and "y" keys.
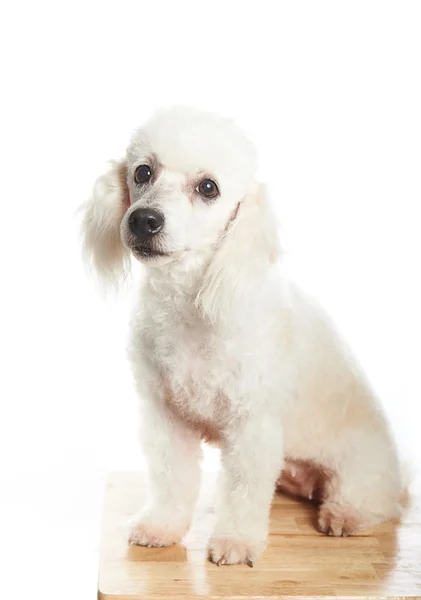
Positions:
{"x": 146, "y": 254}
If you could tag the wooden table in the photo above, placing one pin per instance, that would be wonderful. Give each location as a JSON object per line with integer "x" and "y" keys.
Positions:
{"x": 298, "y": 561}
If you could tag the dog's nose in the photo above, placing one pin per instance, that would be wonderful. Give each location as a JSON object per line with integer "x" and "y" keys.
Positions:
{"x": 145, "y": 222}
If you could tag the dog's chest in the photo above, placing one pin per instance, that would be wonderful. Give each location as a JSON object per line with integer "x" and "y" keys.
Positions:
{"x": 199, "y": 371}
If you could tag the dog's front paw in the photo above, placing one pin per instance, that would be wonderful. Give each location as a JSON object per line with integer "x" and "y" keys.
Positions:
{"x": 231, "y": 550}
{"x": 147, "y": 531}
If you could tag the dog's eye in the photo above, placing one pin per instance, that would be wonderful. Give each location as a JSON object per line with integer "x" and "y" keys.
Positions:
{"x": 142, "y": 174}
{"x": 208, "y": 188}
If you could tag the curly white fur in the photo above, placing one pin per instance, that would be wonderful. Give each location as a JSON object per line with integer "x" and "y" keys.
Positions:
{"x": 225, "y": 348}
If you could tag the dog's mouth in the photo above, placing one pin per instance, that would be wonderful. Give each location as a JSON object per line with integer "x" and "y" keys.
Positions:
{"x": 147, "y": 252}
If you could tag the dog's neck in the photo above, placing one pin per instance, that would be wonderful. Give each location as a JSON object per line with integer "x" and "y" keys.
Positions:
{"x": 179, "y": 281}
{"x": 175, "y": 288}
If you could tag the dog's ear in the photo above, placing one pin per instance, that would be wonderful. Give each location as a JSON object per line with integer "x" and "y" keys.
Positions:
{"x": 249, "y": 247}
{"x": 102, "y": 246}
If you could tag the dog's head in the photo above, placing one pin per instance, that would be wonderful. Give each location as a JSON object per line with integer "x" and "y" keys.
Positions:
{"x": 187, "y": 184}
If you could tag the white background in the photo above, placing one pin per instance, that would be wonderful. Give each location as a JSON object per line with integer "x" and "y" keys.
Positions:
{"x": 331, "y": 94}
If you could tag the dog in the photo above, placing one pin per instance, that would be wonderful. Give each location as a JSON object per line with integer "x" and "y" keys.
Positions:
{"x": 226, "y": 349}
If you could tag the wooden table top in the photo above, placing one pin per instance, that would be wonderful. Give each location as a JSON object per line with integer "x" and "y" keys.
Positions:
{"x": 298, "y": 561}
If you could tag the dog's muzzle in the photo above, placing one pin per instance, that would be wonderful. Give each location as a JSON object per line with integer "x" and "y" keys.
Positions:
{"x": 144, "y": 225}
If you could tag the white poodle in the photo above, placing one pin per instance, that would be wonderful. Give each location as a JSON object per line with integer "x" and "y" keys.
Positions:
{"x": 225, "y": 349}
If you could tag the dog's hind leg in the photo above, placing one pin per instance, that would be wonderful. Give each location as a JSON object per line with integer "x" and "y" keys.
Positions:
{"x": 365, "y": 490}
{"x": 303, "y": 478}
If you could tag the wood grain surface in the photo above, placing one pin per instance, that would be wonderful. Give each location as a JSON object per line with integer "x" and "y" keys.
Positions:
{"x": 298, "y": 561}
